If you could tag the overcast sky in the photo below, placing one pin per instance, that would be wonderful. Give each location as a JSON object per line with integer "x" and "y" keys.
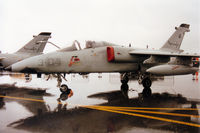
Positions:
{"x": 139, "y": 22}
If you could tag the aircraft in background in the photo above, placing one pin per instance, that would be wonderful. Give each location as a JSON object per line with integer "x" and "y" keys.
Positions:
{"x": 32, "y": 48}
{"x": 103, "y": 57}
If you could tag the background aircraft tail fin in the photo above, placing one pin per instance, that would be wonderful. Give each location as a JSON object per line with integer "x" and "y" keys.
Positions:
{"x": 174, "y": 42}
{"x": 37, "y": 44}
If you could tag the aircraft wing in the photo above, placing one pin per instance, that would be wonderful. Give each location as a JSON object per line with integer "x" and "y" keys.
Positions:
{"x": 161, "y": 53}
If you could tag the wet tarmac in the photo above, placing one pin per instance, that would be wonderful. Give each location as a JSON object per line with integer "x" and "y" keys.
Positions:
{"x": 98, "y": 106}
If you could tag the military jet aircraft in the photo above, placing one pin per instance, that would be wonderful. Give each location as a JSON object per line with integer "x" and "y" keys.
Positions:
{"x": 103, "y": 57}
{"x": 32, "y": 48}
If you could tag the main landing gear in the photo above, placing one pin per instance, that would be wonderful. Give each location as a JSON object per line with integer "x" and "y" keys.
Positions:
{"x": 143, "y": 79}
{"x": 146, "y": 82}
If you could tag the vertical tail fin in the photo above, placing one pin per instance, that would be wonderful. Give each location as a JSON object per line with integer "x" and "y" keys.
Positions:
{"x": 174, "y": 42}
{"x": 37, "y": 44}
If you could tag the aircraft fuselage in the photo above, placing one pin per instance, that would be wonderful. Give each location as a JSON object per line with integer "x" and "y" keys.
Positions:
{"x": 92, "y": 60}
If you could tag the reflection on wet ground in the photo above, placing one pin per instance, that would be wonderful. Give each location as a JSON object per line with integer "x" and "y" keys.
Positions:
{"x": 119, "y": 112}
{"x": 87, "y": 120}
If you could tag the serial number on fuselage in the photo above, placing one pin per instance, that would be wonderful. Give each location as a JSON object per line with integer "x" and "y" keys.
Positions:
{"x": 49, "y": 62}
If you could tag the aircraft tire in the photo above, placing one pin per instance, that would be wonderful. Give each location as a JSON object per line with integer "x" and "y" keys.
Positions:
{"x": 63, "y": 88}
{"x": 146, "y": 82}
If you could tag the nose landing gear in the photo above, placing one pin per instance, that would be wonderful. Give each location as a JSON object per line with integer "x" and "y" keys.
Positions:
{"x": 63, "y": 88}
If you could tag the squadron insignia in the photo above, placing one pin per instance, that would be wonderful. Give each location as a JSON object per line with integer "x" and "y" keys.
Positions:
{"x": 74, "y": 60}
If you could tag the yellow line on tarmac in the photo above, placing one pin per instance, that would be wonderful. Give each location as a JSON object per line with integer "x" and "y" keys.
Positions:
{"x": 22, "y": 98}
{"x": 147, "y": 108}
{"x": 37, "y": 100}
{"x": 103, "y": 108}
{"x": 155, "y": 112}
{"x": 26, "y": 99}
{"x": 145, "y": 116}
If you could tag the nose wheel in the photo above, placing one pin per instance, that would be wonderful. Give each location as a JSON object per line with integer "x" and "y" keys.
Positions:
{"x": 63, "y": 88}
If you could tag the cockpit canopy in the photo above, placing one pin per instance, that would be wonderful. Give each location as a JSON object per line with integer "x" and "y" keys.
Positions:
{"x": 74, "y": 47}
{"x": 89, "y": 44}
{"x": 93, "y": 44}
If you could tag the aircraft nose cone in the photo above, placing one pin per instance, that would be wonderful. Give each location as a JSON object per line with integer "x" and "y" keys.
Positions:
{"x": 17, "y": 67}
